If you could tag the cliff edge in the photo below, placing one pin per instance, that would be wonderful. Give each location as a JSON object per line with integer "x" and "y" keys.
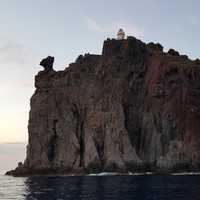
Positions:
{"x": 133, "y": 108}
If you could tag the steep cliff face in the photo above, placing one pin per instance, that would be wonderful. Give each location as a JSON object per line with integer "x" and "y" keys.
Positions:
{"x": 132, "y": 108}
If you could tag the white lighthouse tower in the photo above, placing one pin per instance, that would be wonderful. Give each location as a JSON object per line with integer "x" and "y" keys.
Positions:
{"x": 120, "y": 34}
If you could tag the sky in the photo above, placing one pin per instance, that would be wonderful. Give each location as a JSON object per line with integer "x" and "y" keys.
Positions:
{"x": 33, "y": 29}
{"x": 10, "y": 155}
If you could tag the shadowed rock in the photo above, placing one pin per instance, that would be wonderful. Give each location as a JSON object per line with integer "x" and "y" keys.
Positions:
{"x": 47, "y": 63}
{"x": 157, "y": 47}
{"x": 173, "y": 52}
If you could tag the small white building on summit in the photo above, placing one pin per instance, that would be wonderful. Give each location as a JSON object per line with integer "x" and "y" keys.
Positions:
{"x": 120, "y": 34}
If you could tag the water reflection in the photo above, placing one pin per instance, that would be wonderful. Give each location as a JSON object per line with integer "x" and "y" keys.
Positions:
{"x": 113, "y": 187}
{"x": 95, "y": 188}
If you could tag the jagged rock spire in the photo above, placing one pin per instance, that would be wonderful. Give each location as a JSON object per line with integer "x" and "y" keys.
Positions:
{"x": 47, "y": 63}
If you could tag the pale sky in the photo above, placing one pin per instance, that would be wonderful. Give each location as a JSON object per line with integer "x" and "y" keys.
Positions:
{"x": 33, "y": 29}
{"x": 10, "y": 155}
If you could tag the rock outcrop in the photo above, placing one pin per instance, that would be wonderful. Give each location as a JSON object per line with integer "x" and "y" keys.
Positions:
{"x": 47, "y": 63}
{"x": 133, "y": 108}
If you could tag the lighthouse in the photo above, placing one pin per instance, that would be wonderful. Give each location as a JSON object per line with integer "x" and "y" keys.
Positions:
{"x": 120, "y": 34}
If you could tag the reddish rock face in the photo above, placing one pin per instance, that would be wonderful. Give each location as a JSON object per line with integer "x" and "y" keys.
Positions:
{"x": 133, "y": 108}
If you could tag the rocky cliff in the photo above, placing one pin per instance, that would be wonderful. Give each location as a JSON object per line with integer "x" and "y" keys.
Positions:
{"x": 133, "y": 108}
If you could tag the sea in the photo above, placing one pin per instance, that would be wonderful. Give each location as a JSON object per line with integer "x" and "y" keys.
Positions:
{"x": 102, "y": 187}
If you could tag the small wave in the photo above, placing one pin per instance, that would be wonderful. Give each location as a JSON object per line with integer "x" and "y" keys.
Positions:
{"x": 105, "y": 174}
{"x": 139, "y": 174}
{"x": 186, "y": 173}
{"x": 123, "y": 174}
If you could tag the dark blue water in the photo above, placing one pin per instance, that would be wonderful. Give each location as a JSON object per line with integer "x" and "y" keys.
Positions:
{"x": 149, "y": 187}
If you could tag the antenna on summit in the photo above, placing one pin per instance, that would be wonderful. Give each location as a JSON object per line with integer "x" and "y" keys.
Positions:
{"x": 120, "y": 34}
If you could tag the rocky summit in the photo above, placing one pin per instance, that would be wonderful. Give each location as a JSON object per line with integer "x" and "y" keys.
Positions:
{"x": 133, "y": 108}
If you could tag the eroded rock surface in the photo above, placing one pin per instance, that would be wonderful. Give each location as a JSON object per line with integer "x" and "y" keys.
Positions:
{"x": 133, "y": 108}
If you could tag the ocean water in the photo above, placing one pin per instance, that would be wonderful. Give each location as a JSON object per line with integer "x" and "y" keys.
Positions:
{"x": 151, "y": 187}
